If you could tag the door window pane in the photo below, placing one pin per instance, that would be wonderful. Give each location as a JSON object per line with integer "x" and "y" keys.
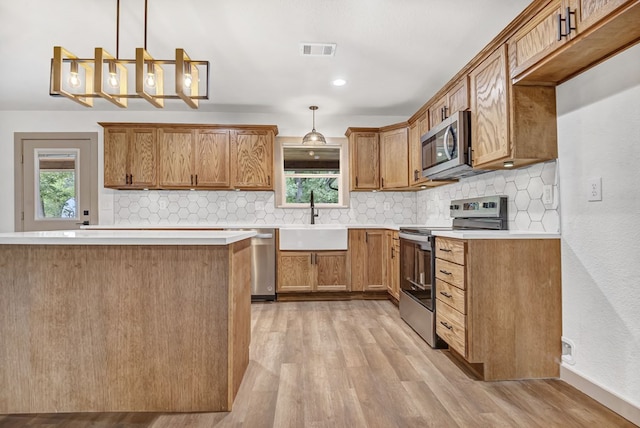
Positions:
{"x": 56, "y": 184}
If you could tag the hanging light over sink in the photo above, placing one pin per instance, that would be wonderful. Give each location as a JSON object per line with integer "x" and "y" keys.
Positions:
{"x": 314, "y": 137}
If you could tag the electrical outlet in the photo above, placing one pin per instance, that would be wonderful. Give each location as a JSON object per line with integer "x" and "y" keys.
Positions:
{"x": 595, "y": 189}
{"x": 222, "y": 205}
{"x": 547, "y": 194}
{"x": 162, "y": 204}
{"x": 568, "y": 351}
{"x": 387, "y": 206}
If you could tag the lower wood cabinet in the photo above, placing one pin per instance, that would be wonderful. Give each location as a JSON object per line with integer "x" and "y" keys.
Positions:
{"x": 499, "y": 305}
{"x": 319, "y": 271}
{"x": 392, "y": 263}
{"x": 367, "y": 259}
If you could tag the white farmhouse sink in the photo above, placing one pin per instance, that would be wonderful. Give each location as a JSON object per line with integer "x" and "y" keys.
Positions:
{"x": 315, "y": 237}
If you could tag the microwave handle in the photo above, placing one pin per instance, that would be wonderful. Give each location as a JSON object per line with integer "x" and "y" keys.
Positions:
{"x": 447, "y": 151}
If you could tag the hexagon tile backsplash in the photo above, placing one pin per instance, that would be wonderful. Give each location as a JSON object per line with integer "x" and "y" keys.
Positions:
{"x": 192, "y": 207}
{"x": 524, "y": 188}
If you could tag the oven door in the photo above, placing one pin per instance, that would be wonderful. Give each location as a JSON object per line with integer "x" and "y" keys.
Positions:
{"x": 416, "y": 271}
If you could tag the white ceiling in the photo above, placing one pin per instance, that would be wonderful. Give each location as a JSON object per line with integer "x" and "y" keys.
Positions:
{"x": 395, "y": 54}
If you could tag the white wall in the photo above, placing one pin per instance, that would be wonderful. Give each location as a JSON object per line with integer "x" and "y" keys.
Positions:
{"x": 86, "y": 121}
{"x": 599, "y": 136}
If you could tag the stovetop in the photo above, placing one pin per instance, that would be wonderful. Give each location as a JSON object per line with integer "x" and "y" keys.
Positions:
{"x": 422, "y": 230}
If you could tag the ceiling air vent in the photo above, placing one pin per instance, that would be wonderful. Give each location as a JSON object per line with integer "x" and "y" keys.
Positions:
{"x": 317, "y": 49}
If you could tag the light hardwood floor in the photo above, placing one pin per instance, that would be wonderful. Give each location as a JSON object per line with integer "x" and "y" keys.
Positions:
{"x": 357, "y": 364}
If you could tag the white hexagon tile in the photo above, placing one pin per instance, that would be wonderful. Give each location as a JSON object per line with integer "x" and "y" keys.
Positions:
{"x": 524, "y": 188}
{"x": 193, "y": 207}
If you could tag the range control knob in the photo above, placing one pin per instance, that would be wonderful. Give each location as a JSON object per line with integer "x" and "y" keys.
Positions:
{"x": 454, "y": 207}
{"x": 488, "y": 205}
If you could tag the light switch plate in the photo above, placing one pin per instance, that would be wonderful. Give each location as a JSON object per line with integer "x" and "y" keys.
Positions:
{"x": 547, "y": 194}
{"x": 595, "y": 189}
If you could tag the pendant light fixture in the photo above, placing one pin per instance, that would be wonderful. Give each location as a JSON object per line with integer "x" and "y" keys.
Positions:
{"x": 314, "y": 137}
{"x": 106, "y": 76}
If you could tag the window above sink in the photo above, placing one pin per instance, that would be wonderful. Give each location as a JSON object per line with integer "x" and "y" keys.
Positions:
{"x": 301, "y": 169}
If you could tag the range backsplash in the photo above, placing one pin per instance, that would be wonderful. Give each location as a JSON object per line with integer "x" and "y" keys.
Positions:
{"x": 523, "y": 186}
{"x": 157, "y": 207}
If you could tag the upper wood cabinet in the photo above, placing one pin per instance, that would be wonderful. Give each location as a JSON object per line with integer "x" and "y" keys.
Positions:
{"x": 188, "y": 156}
{"x": 394, "y": 158}
{"x": 130, "y": 157}
{"x": 322, "y": 271}
{"x": 456, "y": 99}
{"x": 252, "y": 159}
{"x": 539, "y": 52}
{"x": 197, "y": 158}
{"x": 511, "y": 126}
{"x": 364, "y": 154}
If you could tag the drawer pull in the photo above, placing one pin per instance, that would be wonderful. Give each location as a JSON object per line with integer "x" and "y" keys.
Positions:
{"x": 447, "y": 326}
{"x": 445, "y": 272}
{"x": 445, "y": 294}
{"x": 446, "y": 250}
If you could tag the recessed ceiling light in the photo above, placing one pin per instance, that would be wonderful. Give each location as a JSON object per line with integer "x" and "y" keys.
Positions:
{"x": 339, "y": 82}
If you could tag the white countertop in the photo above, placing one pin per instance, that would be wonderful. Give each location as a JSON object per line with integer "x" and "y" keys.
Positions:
{"x": 495, "y": 234}
{"x": 204, "y": 226}
{"x": 125, "y": 237}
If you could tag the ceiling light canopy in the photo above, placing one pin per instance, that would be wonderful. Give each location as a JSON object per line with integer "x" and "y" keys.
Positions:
{"x": 106, "y": 76}
{"x": 314, "y": 137}
{"x": 339, "y": 82}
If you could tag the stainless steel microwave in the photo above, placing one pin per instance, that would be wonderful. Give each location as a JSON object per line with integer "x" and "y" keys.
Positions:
{"x": 446, "y": 149}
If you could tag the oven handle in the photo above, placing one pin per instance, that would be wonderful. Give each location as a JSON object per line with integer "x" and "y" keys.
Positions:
{"x": 417, "y": 284}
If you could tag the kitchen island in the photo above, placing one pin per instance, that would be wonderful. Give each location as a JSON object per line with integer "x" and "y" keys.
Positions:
{"x": 111, "y": 321}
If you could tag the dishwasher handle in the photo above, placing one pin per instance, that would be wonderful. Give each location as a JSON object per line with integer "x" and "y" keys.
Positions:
{"x": 263, "y": 236}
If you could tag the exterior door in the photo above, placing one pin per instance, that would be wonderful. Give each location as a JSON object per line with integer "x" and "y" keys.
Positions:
{"x": 58, "y": 185}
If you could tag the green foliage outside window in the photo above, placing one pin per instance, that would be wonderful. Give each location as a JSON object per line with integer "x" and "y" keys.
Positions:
{"x": 56, "y": 188}
{"x": 325, "y": 190}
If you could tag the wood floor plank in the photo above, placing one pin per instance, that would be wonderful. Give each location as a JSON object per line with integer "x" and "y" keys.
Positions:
{"x": 356, "y": 364}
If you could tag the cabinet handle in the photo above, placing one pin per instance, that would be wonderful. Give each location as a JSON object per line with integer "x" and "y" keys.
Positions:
{"x": 445, "y": 294}
{"x": 568, "y": 27}
{"x": 444, "y": 112}
{"x": 446, "y": 250}
{"x": 447, "y": 326}
{"x": 382, "y": 181}
{"x": 445, "y": 272}
{"x": 366, "y": 237}
{"x": 356, "y": 181}
{"x": 560, "y": 21}
{"x": 268, "y": 180}
{"x": 130, "y": 178}
{"x": 196, "y": 179}
{"x": 393, "y": 253}
{"x": 192, "y": 179}
{"x": 415, "y": 175}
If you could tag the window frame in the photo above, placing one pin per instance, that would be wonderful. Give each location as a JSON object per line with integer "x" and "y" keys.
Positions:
{"x": 280, "y": 182}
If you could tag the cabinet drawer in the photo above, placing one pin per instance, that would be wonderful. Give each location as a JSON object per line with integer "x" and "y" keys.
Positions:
{"x": 450, "y": 326}
{"x": 450, "y": 272}
{"x": 450, "y": 249}
{"x": 453, "y": 296}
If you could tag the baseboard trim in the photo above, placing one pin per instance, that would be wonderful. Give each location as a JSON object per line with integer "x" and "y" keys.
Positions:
{"x": 601, "y": 394}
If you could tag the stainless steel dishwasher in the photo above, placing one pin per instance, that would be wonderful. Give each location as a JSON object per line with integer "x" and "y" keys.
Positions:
{"x": 263, "y": 264}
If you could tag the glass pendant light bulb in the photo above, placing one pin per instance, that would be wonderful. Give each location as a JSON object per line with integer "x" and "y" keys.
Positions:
{"x": 113, "y": 75}
{"x": 74, "y": 78}
{"x": 187, "y": 80}
{"x": 150, "y": 81}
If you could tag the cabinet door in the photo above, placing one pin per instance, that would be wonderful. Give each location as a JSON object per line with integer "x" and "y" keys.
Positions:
{"x": 374, "y": 274}
{"x": 437, "y": 112}
{"x": 590, "y": 12}
{"x": 332, "y": 271}
{"x": 537, "y": 39}
{"x": 176, "y": 158}
{"x": 252, "y": 159}
{"x": 212, "y": 158}
{"x": 143, "y": 158}
{"x": 394, "y": 159}
{"x": 392, "y": 263}
{"x": 365, "y": 166}
{"x": 489, "y": 110}
{"x": 458, "y": 97}
{"x": 116, "y": 149}
{"x": 415, "y": 155}
{"x": 295, "y": 272}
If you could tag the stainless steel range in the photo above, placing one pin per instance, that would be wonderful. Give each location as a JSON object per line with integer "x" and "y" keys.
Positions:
{"x": 417, "y": 260}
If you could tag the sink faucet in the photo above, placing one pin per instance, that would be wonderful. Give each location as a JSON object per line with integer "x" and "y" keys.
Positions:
{"x": 314, "y": 212}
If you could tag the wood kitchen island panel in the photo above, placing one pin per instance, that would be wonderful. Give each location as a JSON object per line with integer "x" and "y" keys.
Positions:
{"x": 103, "y": 328}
